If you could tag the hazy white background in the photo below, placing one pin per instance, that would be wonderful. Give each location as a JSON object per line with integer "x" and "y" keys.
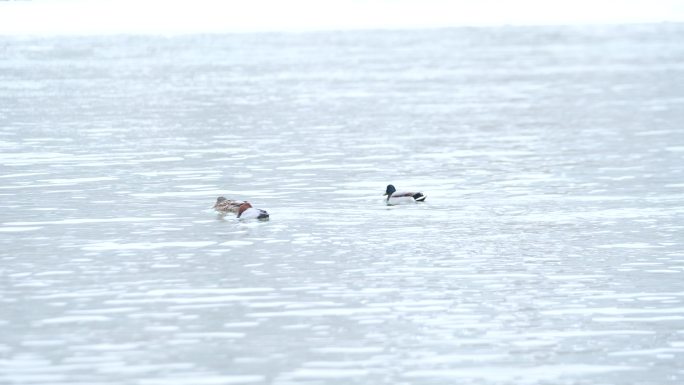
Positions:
{"x": 174, "y": 16}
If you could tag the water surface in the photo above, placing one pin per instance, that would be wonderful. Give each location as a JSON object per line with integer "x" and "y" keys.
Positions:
{"x": 549, "y": 250}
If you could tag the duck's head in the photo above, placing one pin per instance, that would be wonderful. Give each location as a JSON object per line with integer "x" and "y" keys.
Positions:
{"x": 390, "y": 190}
{"x": 242, "y": 208}
{"x": 220, "y": 200}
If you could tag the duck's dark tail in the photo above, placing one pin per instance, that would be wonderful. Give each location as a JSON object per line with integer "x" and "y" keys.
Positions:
{"x": 419, "y": 197}
{"x": 263, "y": 215}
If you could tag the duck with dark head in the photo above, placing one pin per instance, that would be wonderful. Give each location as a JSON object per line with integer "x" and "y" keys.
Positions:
{"x": 398, "y": 198}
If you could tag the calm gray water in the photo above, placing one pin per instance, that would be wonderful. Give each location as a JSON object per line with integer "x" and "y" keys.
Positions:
{"x": 549, "y": 251}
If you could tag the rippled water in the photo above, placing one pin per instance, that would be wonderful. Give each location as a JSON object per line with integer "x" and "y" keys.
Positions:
{"x": 549, "y": 250}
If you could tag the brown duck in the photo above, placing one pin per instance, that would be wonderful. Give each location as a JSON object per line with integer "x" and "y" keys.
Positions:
{"x": 224, "y": 205}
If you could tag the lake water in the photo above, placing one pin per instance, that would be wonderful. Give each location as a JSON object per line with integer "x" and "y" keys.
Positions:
{"x": 549, "y": 249}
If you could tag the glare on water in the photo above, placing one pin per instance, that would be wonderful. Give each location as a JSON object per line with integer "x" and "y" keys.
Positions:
{"x": 549, "y": 249}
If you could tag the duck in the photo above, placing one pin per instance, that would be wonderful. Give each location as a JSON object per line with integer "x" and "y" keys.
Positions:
{"x": 246, "y": 211}
{"x": 224, "y": 205}
{"x": 398, "y": 198}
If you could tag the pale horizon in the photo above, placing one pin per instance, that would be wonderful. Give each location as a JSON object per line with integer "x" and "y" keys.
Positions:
{"x": 79, "y": 17}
